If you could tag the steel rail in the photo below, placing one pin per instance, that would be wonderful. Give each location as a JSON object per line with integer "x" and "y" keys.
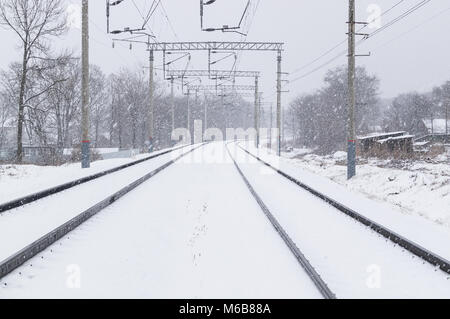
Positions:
{"x": 397, "y": 239}
{"x": 303, "y": 261}
{"x": 21, "y": 257}
{"x": 60, "y": 188}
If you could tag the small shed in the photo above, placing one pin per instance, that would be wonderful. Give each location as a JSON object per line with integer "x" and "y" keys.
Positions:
{"x": 401, "y": 144}
{"x": 385, "y": 143}
{"x": 367, "y": 143}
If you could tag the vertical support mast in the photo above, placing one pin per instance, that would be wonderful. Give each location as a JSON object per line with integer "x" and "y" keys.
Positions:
{"x": 256, "y": 111}
{"x": 206, "y": 101}
{"x": 351, "y": 152}
{"x": 271, "y": 126}
{"x": 279, "y": 103}
{"x": 446, "y": 118}
{"x": 173, "y": 103}
{"x": 151, "y": 118}
{"x": 222, "y": 102}
{"x": 188, "y": 110}
{"x": 85, "y": 143}
{"x": 260, "y": 117}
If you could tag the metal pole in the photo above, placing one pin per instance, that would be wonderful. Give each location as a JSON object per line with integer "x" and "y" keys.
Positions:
{"x": 283, "y": 125}
{"x": 222, "y": 101}
{"x": 351, "y": 152}
{"x": 271, "y": 125}
{"x": 206, "y": 101}
{"x": 446, "y": 118}
{"x": 256, "y": 111}
{"x": 260, "y": 118}
{"x": 173, "y": 103}
{"x": 151, "y": 118}
{"x": 85, "y": 143}
{"x": 279, "y": 103}
{"x": 188, "y": 111}
{"x": 294, "y": 135}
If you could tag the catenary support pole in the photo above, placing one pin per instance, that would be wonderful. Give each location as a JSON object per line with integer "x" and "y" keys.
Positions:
{"x": 222, "y": 103}
{"x": 206, "y": 101}
{"x": 446, "y": 117}
{"x": 151, "y": 111}
{"x": 257, "y": 110}
{"x": 188, "y": 110}
{"x": 172, "y": 96}
{"x": 279, "y": 103}
{"x": 351, "y": 152}
{"x": 271, "y": 126}
{"x": 85, "y": 143}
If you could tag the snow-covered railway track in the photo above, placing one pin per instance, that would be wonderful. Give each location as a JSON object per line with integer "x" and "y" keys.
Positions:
{"x": 417, "y": 250}
{"x": 19, "y": 258}
{"x": 303, "y": 261}
{"x": 16, "y": 203}
{"x": 353, "y": 260}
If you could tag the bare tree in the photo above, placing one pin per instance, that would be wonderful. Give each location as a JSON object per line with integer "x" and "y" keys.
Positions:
{"x": 34, "y": 22}
{"x": 64, "y": 100}
{"x": 98, "y": 102}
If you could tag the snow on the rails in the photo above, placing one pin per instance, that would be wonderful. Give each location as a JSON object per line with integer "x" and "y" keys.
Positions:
{"x": 354, "y": 261}
{"x": 21, "y": 226}
{"x": 192, "y": 231}
{"x": 424, "y": 232}
{"x": 414, "y": 188}
{"x": 17, "y": 181}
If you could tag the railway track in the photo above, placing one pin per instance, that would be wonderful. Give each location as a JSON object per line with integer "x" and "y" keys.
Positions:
{"x": 33, "y": 249}
{"x": 417, "y": 250}
{"x": 302, "y": 260}
{"x": 19, "y": 202}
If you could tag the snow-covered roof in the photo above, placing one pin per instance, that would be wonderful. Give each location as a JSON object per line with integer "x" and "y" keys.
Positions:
{"x": 422, "y": 143}
{"x": 397, "y": 138}
{"x": 381, "y": 135}
{"x": 438, "y": 126}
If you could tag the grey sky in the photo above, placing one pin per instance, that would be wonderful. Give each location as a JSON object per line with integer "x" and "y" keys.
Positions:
{"x": 417, "y": 60}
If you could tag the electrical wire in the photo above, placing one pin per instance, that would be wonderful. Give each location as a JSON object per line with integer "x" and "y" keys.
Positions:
{"x": 389, "y": 24}
{"x": 345, "y": 40}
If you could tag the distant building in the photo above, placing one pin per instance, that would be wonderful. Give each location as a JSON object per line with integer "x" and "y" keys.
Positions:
{"x": 7, "y": 136}
{"x": 31, "y": 154}
{"x": 437, "y": 126}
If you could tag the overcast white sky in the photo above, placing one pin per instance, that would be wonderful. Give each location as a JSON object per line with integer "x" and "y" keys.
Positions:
{"x": 411, "y": 55}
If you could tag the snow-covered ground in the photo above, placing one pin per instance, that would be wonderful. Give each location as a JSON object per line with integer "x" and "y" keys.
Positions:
{"x": 195, "y": 231}
{"x": 192, "y": 231}
{"x": 17, "y": 181}
{"x": 345, "y": 253}
{"x": 431, "y": 235}
{"x": 414, "y": 188}
{"x": 22, "y": 226}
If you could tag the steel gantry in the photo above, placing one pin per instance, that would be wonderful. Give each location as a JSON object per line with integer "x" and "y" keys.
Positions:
{"x": 222, "y": 88}
{"x": 226, "y": 46}
{"x": 220, "y": 74}
{"x": 214, "y": 75}
{"x": 224, "y": 91}
{"x": 216, "y": 46}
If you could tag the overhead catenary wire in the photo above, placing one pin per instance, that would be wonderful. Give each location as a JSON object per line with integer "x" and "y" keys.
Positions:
{"x": 344, "y": 40}
{"x": 440, "y": 13}
{"x": 389, "y": 24}
{"x": 168, "y": 20}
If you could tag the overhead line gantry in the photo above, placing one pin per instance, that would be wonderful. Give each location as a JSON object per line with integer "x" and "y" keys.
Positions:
{"x": 210, "y": 46}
